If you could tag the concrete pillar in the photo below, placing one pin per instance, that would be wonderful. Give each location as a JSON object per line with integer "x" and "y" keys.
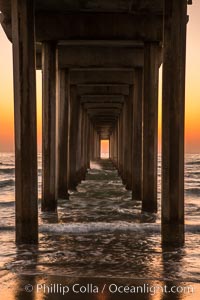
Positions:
{"x": 125, "y": 139}
{"x": 49, "y": 202}
{"x": 73, "y": 137}
{"x": 129, "y": 130}
{"x": 62, "y": 130}
{"x": 25, "y": 121}
{"x": 98, "y": 145}
{"x": 137, "y": 135}
{"x": 91, "y": 141}
{"x": 173, "y": 108}
{"x": 95, "y": 145}
{"x": 82, "y": 143}
{"x": 112, "y": 138}
{"x": 85, "y": 142}
{"x": 111, "y": 146}
{"x": 79, "y": 144}
{"x": 121, "y": 143}
{"x": 116, "y": 145}
{"x": 83, "y": 146}
{"x": 150, "y": 127}
{"x": 124, "y": 152}
{"x": 88, "y": 144}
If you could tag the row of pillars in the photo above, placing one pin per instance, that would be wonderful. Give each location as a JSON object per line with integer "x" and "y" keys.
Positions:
{"x": 136, "y": 134}
{"x": 70, "y": 139}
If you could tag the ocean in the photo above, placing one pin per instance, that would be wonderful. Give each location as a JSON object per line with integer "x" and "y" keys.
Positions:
{"x": 100, "y": 231}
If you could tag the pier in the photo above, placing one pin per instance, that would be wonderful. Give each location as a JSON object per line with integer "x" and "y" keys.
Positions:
{"x": 100, "y": 65}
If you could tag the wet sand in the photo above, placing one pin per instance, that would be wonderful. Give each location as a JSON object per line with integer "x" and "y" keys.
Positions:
{"x": 37, "y": 287}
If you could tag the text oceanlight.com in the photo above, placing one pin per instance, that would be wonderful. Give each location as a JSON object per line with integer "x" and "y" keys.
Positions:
{"x": 112, "y": 288}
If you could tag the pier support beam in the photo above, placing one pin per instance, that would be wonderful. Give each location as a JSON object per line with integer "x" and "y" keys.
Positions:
{"x": 121, "y": 145}
{"x": 125, "y": 144}
{"x": 150, "y": 128}
{"x": 80, "y": 172}
{"x": 25, "y": 121}
{"x": 173, "y": 107}
{"x": 128, "y": 139}
{"x": 49, "y": 202}
{"x": 73, "y": 137}
{"x": 137, "y": 135}
{"x": 84, "y": 152}
{"x": 63, "y": 107}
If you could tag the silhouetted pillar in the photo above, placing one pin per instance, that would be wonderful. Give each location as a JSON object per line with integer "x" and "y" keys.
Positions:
{"x": 98, "y": 145}
{"x": 63, "y": 107}
{"x": 25, "y": 121}
{"x": 82, "y": 144}
{"x": 88, "y": 144}
{"x": 92, "y": 142}
{"x": 110, "y": 146}
{"x": 137, "y": 135}
{"x": 73, "y": 137}
{"x": 125, "y": 146}
{"x": 129, "y": 139}
{"x": 79, "y": 143}
{"x": 118, "y": 143}
{"x": 84, "y": 153}
{"x": 173, "y": 108}
{"x": 150, "y": 127}
{"x": 113, "y": 145}
{"x": 121, "y": 143}
{"x": 95, "y": 145}
{"x": 49, "y": 202}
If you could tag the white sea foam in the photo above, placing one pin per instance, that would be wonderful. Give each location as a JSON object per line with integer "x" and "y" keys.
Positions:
{"x": 95, "y": 227}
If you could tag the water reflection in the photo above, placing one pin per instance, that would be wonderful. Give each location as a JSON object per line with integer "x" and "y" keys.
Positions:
{"x": 172, "y": 261}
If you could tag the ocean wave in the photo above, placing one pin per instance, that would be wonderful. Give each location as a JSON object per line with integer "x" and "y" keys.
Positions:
{"x": 7, "y": 171}
{"x": 95, "y": 227}
{"x": 8, "y": 182}
{"x": 197, "y": 162}
{"x": 7, "y": 204}
{"x": 75, "y": 228}
{"x": 10, "y": 164}
{"x": 6, "y": 228}
{"x": 192, "y": 173}
{"x": 89, "y": 228}
{"x": 193, "y": 191}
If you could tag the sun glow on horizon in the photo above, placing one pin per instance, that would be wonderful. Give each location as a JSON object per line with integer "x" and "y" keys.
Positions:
{"x": 105, "y": 144}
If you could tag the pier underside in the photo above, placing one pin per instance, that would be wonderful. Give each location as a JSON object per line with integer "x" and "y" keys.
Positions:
{"x": 100, "y": 62}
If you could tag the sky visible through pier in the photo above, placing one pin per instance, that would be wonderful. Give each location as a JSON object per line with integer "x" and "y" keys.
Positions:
{"x": 192, "y": 132}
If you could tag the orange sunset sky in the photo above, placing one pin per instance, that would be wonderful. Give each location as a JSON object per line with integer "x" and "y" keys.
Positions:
{"x": 192, "y": 126}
